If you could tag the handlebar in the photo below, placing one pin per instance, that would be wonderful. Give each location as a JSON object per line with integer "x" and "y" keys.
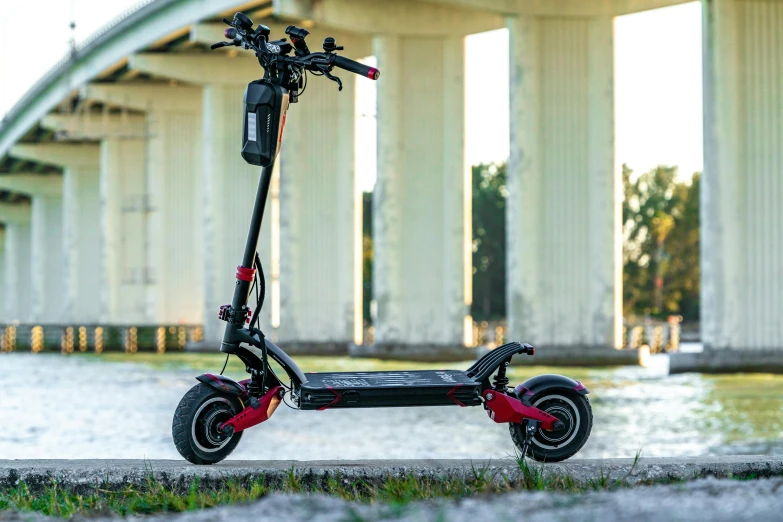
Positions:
{"x": 273, "y": 55}
{"x": 356, "y": 67}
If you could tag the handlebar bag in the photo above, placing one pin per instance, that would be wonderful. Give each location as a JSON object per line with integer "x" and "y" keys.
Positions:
{"x": 265, "y": 108}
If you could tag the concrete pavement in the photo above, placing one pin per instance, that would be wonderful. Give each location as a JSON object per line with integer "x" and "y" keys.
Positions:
{"x": 86, "y": 473}
{"x": 714, "y": 500}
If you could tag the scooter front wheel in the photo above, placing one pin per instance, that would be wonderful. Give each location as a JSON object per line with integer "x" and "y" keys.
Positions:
{"x": 576, "y": 414}
{"x": 196, "y": 425}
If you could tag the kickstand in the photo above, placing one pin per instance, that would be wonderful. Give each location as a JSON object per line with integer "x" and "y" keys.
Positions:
{"x": 530, "y": 426}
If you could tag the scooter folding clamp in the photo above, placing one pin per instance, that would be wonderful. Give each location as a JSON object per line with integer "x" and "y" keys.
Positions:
{"x": 230, "y": 315}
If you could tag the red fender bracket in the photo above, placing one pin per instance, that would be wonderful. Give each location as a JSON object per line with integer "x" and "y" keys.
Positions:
{"x": 250, "y": 416}
{"x": 502, "y": 409}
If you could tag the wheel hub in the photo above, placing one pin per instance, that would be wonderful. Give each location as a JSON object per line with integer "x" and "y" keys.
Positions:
{"x": 565, "y": 411}
{"x": 565, "y": 416}
{"x": 212, "y": 425}
{"x": 207, "y": 422}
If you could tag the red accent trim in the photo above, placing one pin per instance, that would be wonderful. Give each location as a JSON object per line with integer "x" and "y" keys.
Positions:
{"x": 282, "y": 128}
{"x": 250, "y": 416}
{"x": 337, "y": 398}
{"x": 450, "y": 395}
{"x": 373, "y": 73}
{"x": 217, "y": 380}
{"x": 503, "y": 408}
{"x": 532, "y": 350}
{"x": 246, "y": 274}
{"x": 579, "y": 386}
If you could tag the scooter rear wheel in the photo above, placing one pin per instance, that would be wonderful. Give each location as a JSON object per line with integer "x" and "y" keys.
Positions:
{"x": 196, "y": 425}
{"x": 576, "y": 414}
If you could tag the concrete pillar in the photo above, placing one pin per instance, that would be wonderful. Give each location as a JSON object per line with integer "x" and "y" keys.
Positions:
{"x": 46, "y": 247}
{"x": 79, "y": 218}
{"x": 173, "y": 196}
{"x": 229, "y": 183}
{"x": 421, "y": 205}
{"x": 563, "y": 209}
{"x": 47, "y": 260}
{"x": 123, "y": 231}
{"x": 118, "y": 207}
{"x": 320, "y": 222}
{"x": 229, "y": 192}
{"x": 175, "y": 242}
{"x": 741, "y": 190}
{"x": 16, "y": 296}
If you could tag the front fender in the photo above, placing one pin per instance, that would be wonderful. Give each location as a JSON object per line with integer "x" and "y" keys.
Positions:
{"x": 532, "y": 387}
{"x": 223, "y": 384}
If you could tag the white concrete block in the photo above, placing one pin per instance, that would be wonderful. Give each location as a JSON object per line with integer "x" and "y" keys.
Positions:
{"x": 742, "y": 185}
{"x": 421, "y": 203}
{"x": 564, "y": 268}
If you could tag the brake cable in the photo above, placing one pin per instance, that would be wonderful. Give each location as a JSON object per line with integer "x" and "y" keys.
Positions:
{"x": 261, "y": 280}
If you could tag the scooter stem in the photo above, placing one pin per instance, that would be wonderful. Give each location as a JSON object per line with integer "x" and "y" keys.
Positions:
{"x": 246, "y": 272}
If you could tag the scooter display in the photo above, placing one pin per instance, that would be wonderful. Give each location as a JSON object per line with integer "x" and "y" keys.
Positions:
{"x": 549, "y": 416}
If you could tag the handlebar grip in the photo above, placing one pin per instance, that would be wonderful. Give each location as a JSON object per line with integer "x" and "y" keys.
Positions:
{"x": 356, "y": 67}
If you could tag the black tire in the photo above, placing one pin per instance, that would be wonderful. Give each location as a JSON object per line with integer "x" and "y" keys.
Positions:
{"x": 556, "y": 445}
{"x": 196, "y": 421}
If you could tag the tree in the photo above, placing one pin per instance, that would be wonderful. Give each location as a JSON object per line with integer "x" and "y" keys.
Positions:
{"x": 367, "y": 255}
{"x": 661, "y": 244}
{"x": 489, "y": 242}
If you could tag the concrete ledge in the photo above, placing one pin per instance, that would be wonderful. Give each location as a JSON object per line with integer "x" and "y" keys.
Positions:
{"x": 414, "y": 352}
{"x": 85, "y": 474}
{"x": 579, "y": 356}
{"x": 713, "y": 360}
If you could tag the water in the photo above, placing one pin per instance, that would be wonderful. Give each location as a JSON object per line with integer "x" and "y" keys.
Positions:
{"x": 53, "y": 406}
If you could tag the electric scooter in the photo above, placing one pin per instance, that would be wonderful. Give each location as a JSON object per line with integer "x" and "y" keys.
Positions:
{"x": 549, "y": 416}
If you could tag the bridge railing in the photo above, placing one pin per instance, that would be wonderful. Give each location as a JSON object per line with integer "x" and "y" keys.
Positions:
{"x": 97, "y": 338}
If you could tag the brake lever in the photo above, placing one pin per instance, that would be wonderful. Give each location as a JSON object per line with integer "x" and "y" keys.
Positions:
{"x": 234, "y": 43}
{"x": 325, "y": 70}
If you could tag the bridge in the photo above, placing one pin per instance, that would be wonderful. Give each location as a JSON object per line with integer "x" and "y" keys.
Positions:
{"x": 122, "y": 186}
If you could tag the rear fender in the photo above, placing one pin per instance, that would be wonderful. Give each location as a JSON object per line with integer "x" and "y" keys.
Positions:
{"x": 532, "y": 387}
{"x": 224, "y": 384}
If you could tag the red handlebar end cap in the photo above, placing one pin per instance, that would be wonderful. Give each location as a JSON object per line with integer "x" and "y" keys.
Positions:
{"x": 373, "y": 73}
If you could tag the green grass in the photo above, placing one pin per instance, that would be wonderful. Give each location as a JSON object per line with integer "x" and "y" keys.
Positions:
{"x": 152, "y": 496}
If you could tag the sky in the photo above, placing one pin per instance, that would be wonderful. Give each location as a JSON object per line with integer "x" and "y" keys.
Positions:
{"x": 657, "y": 81}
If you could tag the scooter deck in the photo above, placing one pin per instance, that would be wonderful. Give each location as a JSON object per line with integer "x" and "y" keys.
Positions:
{"x": 388, "y": 389}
